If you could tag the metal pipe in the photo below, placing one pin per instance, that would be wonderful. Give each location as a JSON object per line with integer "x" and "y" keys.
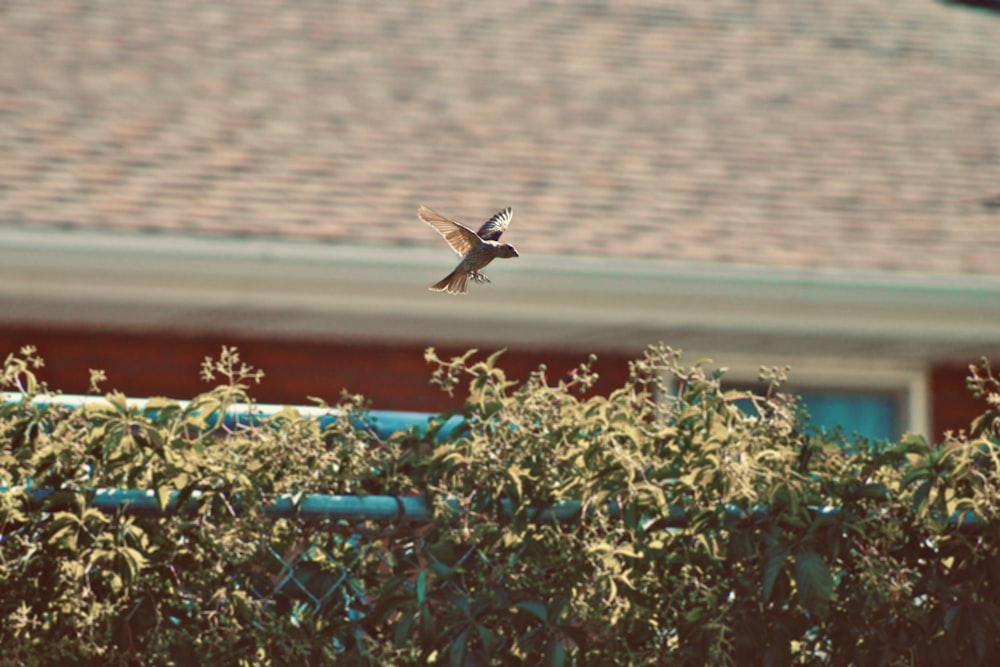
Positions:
{"x": 382, "y": 423}
{"x": 316, "y": 506}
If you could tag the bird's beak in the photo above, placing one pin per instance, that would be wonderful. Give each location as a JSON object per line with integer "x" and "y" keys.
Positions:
{"x": 514, "y": 250}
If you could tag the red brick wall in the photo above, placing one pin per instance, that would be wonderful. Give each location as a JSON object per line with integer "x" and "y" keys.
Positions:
{"x": 952, "y": 406}
{"x": 394, "y": 377}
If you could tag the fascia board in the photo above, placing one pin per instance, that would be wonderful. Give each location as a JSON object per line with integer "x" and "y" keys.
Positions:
{"x": 265, "y": 287}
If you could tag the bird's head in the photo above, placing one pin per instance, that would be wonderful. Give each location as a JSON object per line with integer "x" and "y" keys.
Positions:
{"x": 507, "y": 250}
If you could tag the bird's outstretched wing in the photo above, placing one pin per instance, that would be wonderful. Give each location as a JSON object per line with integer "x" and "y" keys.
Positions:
{"x": 459, "y": 237}
{"x": 495, "y": 226}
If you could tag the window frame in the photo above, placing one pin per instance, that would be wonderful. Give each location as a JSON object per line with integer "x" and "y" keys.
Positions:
{"x": 841, "y": 374}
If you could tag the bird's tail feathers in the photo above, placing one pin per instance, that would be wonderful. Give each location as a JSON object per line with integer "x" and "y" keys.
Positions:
{"x": 456, "y": 282}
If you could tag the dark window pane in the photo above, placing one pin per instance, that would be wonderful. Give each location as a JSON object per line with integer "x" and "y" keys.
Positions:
{"x": 875, "y": 415}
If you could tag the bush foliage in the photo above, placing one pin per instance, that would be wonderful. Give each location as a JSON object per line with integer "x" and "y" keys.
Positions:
{"x": 706, "y": 535}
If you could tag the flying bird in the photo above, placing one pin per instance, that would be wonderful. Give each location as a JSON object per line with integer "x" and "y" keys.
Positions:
{"x": 477, "y": 249}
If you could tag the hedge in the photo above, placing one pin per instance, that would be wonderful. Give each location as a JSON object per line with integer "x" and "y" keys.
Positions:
{"x": 796, "y": 548}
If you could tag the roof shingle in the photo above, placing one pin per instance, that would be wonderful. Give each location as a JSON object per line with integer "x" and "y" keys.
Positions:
{"x": 851, "y": 135}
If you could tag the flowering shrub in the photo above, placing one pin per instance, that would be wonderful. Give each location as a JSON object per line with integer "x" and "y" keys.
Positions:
{"x": 660, "y": 524}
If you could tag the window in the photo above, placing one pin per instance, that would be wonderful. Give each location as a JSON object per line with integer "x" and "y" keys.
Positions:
{"x": 877, "y": 415}
{"x": 873, "y": 414}
{"x": 876, "y": 400}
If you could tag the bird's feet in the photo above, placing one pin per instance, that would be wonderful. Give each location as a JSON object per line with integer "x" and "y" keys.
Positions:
{"x": 479, "y": 277}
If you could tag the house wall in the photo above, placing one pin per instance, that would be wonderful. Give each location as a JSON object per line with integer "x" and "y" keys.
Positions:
{"x": 393, "y": 377}
{"x": 952, "y": 406}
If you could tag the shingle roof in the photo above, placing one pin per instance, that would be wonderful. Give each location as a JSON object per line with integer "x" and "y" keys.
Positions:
{"x": 859, "y": 135}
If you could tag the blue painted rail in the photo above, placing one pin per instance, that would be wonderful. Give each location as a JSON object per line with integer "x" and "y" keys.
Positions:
{"x": 383, "y": 423}
{"x": 398, "y": 509}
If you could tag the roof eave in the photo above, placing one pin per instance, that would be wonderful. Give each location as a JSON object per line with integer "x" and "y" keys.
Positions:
{"x": 271, "y": 287}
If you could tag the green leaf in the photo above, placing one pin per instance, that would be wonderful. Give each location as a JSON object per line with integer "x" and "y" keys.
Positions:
{"x": 774, "y": 561}
{"x": 920, "y": 496}
{"x": 457, "y": 652}
{"x": 64, "y": 529}
{"x": 118, "y": 400}
{"x": 628, "y": 551}
{"x": 163, "y": 497}
{"x": 114, "y": 581}
{"x": 422, "y": 586}
{"x": 428, "y": 627}
{"x": 95, "y": 409}
{"x": 556, "y": 655}
{"x": 462, "y": 602}
{"x": 920, "y": 471}
{"x": 488, "y": 638}
{"x": 814, "y": 582}
{"x": 535, "y": 608}
{"x": 870, "y": 491}
{"x": 134, "y": 562}
{"x": 401, "y": 633}
{"x": 491, "y": 361}
{"x": 982, "y": 637}
{"x": 161, "y": 407}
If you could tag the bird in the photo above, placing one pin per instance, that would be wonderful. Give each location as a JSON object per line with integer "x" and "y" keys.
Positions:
{"x": 477, "y": 249}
